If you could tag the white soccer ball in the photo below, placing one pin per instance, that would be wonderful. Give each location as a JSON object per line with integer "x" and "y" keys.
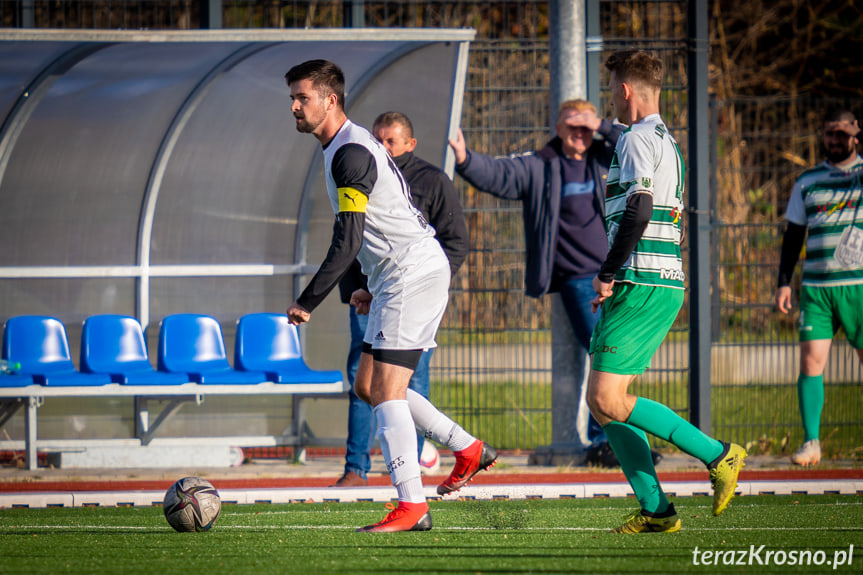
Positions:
{"x": 192, "y": 504}
{"x": 429, "y": 459}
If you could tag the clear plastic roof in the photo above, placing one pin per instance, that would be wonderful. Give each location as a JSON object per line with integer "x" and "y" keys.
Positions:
{"x": 160, "y": 173}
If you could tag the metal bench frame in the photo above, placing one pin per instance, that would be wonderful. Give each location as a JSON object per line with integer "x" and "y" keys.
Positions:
{"x": 298, "y": 434}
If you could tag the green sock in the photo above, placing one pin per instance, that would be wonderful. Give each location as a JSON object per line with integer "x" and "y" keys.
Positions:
{"x": 633, "y": 452}
{"x": 810, "y": 393}
{"x": 662, "y": 422}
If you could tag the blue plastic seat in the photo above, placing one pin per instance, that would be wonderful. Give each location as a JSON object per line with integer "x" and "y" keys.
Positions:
{"x": 193, "y": 344}
{"x": 41, "y": 346}
{"x": 115, "y": 344}
{"x": 15, "y": 380}
{"x": 267, "y": 342}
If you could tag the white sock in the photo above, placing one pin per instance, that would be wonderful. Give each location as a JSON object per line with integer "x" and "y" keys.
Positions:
{"x": 399, "y": 446}
{"x": 431, "y": 422}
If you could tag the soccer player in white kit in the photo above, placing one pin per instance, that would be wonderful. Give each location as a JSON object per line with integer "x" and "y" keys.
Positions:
{"x": 408, "y": 279}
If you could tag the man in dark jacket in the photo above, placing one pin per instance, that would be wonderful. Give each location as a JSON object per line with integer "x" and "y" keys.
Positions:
{"x": 433, "y": 193}
{"x": 562, "y": 191}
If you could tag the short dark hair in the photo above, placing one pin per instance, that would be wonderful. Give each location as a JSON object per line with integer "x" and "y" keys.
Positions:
{"x": 390, "y": 118}
{"x": 636, "y": 66}
{"x": 326, "y": 77}
{"x": 839, "y": 115}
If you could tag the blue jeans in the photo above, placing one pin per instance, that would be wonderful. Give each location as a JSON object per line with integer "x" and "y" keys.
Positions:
{"x": 576, "y": 294}
{"x": 361, "y": 418}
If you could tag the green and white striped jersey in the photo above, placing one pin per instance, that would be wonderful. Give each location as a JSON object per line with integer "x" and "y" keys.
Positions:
{"x": 647, "y": 160}
{"x": 827, "y": 200}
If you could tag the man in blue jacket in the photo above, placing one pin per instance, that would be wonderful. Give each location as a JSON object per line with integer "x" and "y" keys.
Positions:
{"x": 562, "y": 190}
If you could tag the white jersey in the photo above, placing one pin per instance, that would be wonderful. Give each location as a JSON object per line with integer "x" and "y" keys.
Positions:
{"x": 396, "y": 235}
{"x": 647, "y": 160}
{"x": 827, "y": 201}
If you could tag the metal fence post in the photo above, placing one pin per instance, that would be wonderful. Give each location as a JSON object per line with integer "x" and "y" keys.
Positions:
{"x": 569, "y": 363}
{"x": 715, "y": 222}
{"x": 210, "y": 14}
{"x": 26, "y": 14}
{"x": 699, "y": 219}
{"x": 567, "y": 52}
{"x": 353, "y": 13}
{"x": 593, "y": 47}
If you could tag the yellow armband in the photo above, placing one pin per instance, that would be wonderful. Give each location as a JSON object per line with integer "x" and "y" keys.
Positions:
{"x": 351, "y": 200}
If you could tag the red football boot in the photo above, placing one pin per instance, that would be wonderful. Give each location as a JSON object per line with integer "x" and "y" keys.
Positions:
{"x": 468, "y": 462}
{"x": 405, "y": 517}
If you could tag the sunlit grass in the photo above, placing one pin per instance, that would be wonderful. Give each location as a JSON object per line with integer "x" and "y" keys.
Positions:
{"x": 469, "y": 537}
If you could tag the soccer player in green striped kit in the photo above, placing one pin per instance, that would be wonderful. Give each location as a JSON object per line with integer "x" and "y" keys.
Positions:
{"x": 825, "y": 200}
{"x": 640, "y": 288}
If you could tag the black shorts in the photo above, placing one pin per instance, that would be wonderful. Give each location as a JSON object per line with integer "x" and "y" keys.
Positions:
{"x": 408, "y": 358}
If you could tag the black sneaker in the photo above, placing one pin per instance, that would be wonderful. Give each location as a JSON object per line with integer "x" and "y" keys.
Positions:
{"x": 602, "y": 455}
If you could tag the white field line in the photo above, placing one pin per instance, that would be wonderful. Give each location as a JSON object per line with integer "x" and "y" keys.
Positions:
{"x": 121, "y": 528}
{"x": 737, "y": 504}
{"x": 240, "y": 513}
{"x": 384, "y": 494}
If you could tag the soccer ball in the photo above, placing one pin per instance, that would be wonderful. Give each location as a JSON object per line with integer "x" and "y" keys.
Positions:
{"x": 429, "y": 459}
{"x": 192, "y": 504}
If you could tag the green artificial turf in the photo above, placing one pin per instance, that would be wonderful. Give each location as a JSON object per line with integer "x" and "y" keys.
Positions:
{"x": 469, "y": 537}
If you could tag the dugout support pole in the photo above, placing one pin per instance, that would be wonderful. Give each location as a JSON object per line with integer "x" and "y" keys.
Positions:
{"x": 593, "y": 48}
{"x": 569, "y": 364}
{"x": 26, "y": 14}
{"x": 210, "y": 14}
{"x": 353, "y": 13}
{"x": 699, "y": 218}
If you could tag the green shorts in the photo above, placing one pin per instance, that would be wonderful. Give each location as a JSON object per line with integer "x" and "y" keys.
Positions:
{"x": 824, "y": 309}
{"x": 633, "y": 324}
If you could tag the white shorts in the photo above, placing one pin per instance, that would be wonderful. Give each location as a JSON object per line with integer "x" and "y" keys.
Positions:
{"x": 407, "y": 311}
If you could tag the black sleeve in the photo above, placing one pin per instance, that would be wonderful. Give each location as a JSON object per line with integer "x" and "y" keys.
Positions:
{"x": 446, "y": 217}
{"x": 344, "y": 247}
{"x": 636, "y": 216}
{"x": 354, "y": 167}
{"x": 353, "y": 280}
{"x": 355, "y": 172}
{"x": 792, "y": 243}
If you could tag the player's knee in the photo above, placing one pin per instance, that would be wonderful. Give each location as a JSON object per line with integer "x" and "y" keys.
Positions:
{"x": 363, "y": 390}
{"x": 812, "y": 366}
{"x": 604, "y": 406}
{"x": 597, "y": 402}
{"x": 813, "y": 356}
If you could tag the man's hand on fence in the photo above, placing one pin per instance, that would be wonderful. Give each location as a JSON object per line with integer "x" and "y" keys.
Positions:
{"x": 459, "y": 147}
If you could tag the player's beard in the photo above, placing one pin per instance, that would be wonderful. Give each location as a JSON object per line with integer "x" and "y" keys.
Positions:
{"x": 839, "y": 153}
{"x": 304, "y": 126}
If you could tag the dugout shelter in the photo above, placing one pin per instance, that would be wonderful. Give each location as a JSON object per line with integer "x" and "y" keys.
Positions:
{"x": 151, "y": 173}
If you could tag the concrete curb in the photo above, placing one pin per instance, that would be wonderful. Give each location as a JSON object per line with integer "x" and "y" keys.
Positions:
{"x": 482, "y": 492}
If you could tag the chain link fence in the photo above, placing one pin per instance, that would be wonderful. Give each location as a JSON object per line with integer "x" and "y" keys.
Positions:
{"x": 492, "y": 370}
{"x": 762, "y": 146}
